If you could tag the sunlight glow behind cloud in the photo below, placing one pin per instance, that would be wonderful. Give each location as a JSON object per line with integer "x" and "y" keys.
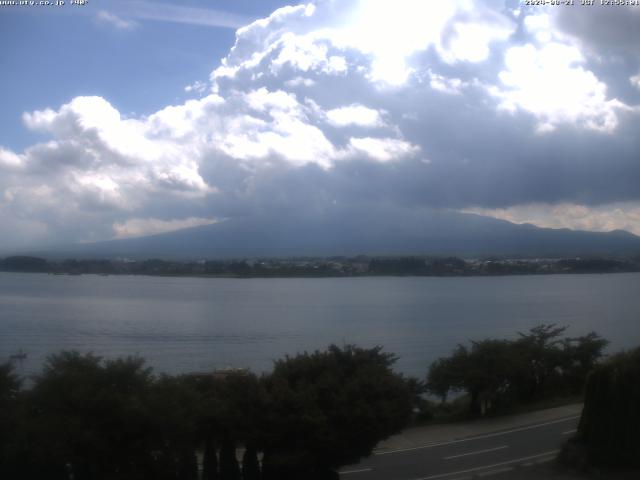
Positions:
{"x": 138, "y": 227}
{"x": 341, "y": 103}
{"x": 605, "y": 218}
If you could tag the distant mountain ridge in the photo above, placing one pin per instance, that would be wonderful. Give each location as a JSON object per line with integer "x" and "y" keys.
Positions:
{"x": 428, "y": 232}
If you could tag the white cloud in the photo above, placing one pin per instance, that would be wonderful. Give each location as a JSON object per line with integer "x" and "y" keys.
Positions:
{"x": 548, "y": 78}
{"x": 383, "y": 149}
{"x": 299, "y": 81}
{"x": 287, "y": 138}
{"x": 452, "y": 86}
{"x": 540, "y": 25}
{"x": 138, "y": 227}
{"x": 257, "y": 40}
{"x": 319, "y": 85}
{"x": 388, "y": 33}
{"x": 358, "y": 115}
{"x": 197, "y": 86}
{"x": 603, "y": 218}
{"x": 117, "y": 158}
{"x": 184, "y": 122}
{"x": 81, "y": 114}
{"x": 111, "y": 19}
{"x": 9, "y": 160}
{"x": 263, "y": 100}
{"x": 305, "y": 53}
{"x": 393, "y": 31}
{"x": 551, "y": 83}
{"x": 635, "y": 80}
{"x": 471, "y": 40}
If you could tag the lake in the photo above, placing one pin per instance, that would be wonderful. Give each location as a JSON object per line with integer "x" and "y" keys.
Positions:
{"x": 196, "y": 324}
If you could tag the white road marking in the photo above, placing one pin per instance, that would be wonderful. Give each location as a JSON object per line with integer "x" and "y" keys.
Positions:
{"x": 476, "y": 452}
{"x": 569, "y": 432}
{"x": 495, "y": 472}
{"x": 479, "y": 437}
{"x": 485, "y": 467}
{"x": 545, "y": 460}
{"x": 362, "y": 470}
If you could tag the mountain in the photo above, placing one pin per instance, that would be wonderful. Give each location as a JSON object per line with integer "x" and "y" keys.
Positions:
{"x": 425, "y": 232}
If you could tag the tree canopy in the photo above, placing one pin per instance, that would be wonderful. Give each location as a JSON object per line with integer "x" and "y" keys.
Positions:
{"x": 495, "y": 373}
{"x": 100, "y": 419}
{"x": 328, "y": 409}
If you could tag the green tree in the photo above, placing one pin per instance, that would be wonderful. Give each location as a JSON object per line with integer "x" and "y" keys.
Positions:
{"x": 105, "y": 419}
{"x": 498, "y": 373}
{"x": 446, "y": 374}
{"x": 327, "y": 409}
{"x": 581, "y": 355}
{"x": 540, "y": 349}
{"x": 485, "y": 371}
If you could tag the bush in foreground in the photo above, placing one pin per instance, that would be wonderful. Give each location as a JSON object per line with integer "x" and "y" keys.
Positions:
{"x": 92, "y": 419}
{"x": 609, "y": 429}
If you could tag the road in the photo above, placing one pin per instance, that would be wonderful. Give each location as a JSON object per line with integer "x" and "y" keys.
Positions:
{"x": 473, "y": 457}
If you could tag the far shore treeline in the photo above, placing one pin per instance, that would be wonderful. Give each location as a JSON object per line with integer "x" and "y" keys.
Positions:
{"x": 89, "y": 418}
{"x": 325, "y": 266}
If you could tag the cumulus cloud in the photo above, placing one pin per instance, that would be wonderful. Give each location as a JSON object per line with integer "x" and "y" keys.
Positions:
{"x": 548, "y": 79}
{"x": 112, "y": 153}
{"x": 570, "y": 94}
{"x": 383, "y": 149}
{"x": 197, "y": 86}
{"x": 299, "y": 81}
{"x": 328, "y": 105}
{"x": 443, "y": 84}
{"x": 355, "y": 115}
{"x": 9, "y": 160}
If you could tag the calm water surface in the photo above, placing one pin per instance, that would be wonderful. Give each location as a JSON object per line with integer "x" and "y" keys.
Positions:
{"x": 193, "y": 324}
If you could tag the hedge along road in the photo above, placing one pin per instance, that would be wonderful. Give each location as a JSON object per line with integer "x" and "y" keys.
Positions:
{"x": 514, "y": 441}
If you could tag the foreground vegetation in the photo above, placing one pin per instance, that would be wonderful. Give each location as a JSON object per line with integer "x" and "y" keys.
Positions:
{"x": 495, "y": 375}
{"x": 88, "y": 418}
{"x": 608, "y": 430}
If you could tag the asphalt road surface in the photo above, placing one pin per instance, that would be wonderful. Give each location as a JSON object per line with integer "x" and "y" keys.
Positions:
{"x": 473, "y": 457}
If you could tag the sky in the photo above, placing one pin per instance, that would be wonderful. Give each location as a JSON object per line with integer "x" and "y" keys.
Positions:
{"x": 127, "y": 118}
